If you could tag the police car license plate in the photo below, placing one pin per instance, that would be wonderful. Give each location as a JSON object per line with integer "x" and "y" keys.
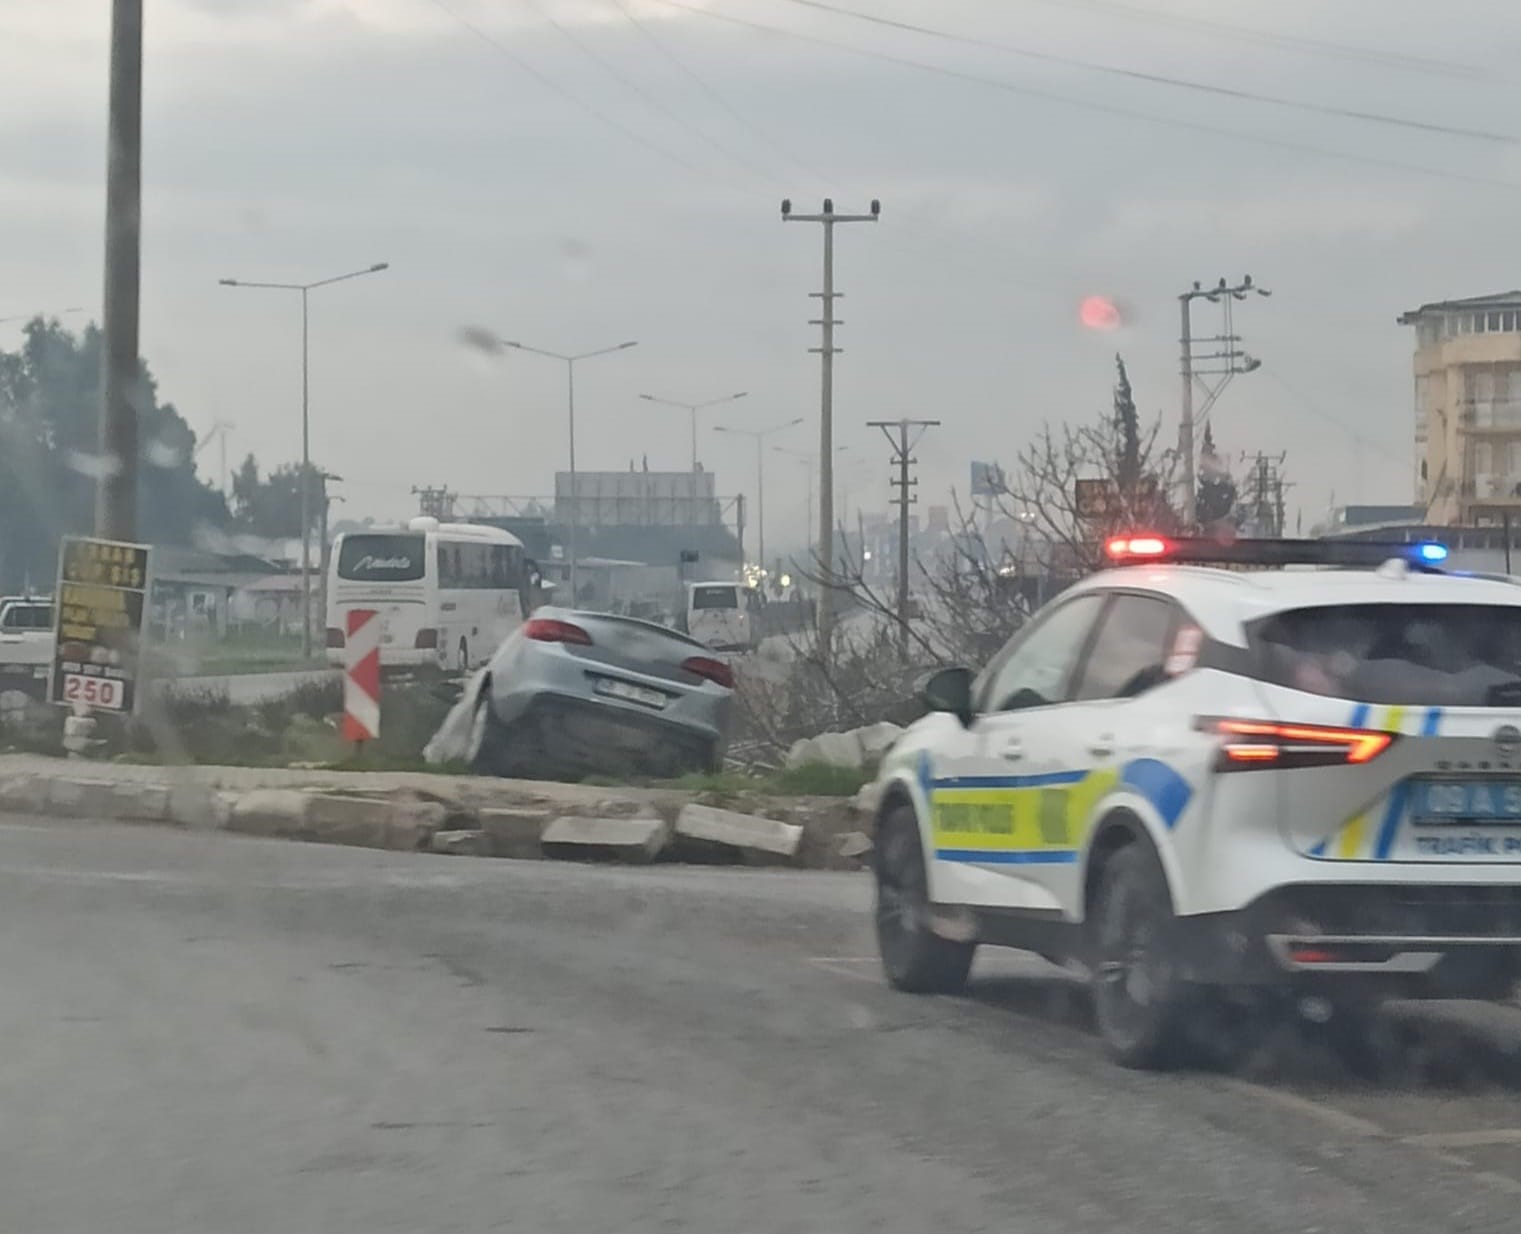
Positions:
{"x": 629, "y": 692}
{"x": 1435, "y": 802}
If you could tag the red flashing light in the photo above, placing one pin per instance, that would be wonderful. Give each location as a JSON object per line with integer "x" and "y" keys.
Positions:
{"x": 548, "y": 630}
{"x": 1136, "y": 546}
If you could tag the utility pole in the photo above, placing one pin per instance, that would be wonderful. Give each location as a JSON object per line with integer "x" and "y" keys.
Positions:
{"x": 116, "y": 488}
{"x": 1266, "y": 501}
{"x": 1229, "y": 360}
{"x": 903, "y": 458}
{"x": 826, "y": 352}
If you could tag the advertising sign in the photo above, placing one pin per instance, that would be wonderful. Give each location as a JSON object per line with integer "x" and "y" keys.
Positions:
{"x": 100, "y": 603}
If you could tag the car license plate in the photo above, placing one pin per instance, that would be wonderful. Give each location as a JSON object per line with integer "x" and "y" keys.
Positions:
{"x": 1466, "y": 801}
{"x": 629, "y": 692}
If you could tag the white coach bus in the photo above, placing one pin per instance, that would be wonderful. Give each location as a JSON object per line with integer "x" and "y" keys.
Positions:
{"x": 447, "y": 594}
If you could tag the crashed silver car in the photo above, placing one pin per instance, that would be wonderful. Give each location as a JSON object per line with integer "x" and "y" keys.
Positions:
{"x": 575, "y": 693}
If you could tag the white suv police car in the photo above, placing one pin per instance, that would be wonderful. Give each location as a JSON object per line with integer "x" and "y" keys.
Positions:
{"x": 1210, "y": 786}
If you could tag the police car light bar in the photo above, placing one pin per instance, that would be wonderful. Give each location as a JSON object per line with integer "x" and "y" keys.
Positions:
{"x": 1143, "y": 549}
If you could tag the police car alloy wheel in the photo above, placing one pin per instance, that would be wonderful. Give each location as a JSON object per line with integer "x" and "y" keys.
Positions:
{"x": 914, "y": 958}
{"x": 1139, "y": 997}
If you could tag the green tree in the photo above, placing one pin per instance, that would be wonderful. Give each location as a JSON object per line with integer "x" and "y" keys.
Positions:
{"x": 1215, "y": 501}
{"x": 49, "y": 462}
{"x": 270, "y": 506}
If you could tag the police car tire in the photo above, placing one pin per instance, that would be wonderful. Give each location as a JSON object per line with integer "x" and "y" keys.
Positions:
{"x": 1141, "y": 1028}
{"x": 914, "y": 958}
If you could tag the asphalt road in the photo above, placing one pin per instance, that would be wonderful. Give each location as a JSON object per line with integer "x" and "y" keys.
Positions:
{"x": 213, "y": 1034}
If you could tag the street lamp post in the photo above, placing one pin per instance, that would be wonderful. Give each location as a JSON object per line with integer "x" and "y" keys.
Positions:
{"x": 570, "y": 389}
{"x": 693, "y": 409}
{"x": 810, "y": 459}
{"x": 760, "y": 436}
{"x": 306, "y": 443}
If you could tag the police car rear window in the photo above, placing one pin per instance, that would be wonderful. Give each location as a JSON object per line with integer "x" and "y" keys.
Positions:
{"x": 1452, "y": 655}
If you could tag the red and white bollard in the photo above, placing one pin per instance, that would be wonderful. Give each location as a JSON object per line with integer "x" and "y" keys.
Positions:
{"x": 361, "y": 676}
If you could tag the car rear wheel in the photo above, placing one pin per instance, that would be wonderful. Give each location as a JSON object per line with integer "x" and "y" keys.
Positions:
{"x": 914, "y": 958}
{"x": 486, "y": 747}
{"x": 1140, "y": 999}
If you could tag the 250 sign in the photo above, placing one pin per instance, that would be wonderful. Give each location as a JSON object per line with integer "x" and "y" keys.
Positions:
{"x": 93, "y": 691}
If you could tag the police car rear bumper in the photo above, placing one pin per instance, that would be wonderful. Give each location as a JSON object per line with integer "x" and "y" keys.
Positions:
{"x": 1411, "y": 940}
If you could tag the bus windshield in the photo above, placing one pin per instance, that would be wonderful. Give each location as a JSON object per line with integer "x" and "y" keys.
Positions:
{"x": 382, "y": 558}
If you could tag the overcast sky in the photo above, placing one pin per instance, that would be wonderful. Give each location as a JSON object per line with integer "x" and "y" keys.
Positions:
{"x": 575, "y": 173}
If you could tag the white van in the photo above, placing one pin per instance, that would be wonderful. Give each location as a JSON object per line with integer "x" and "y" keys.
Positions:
{"x": 722, "y": 615}
{"x": 447, "y": 593}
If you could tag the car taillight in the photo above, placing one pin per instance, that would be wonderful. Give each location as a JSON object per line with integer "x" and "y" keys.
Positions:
{"x": 548, "y": 630}
{"x": 715, "y": 671}
{"x": 1249, "y": 744}
{"x": 334, "y": 637}
{"x": 426, "y": 640}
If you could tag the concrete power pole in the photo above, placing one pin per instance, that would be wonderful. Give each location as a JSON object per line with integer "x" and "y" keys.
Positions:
{"x": 116, "y": 488}
{"x": 1229, "y": 360}
{"x": 903, "y": 459}
{"x": 826, "y": 352}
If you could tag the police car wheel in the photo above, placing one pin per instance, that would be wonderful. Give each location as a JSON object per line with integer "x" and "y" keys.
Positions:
{"x": 1139, "y": 995}
{"x": 914, "y": 958}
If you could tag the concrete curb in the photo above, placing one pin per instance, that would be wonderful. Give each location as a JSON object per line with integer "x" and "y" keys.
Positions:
{"x": 419, "y": 813}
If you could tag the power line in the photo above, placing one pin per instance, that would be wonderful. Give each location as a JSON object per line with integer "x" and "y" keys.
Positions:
{"x": 1273, "y": 38}
{"x": 1161, "y": 79}
{"x": 628, "y": 83}
{"x": 549, "y": 83}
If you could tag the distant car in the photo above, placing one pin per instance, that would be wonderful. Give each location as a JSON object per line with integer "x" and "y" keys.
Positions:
{"x": 575, "y": 693}
{"x": 722, "y": 615}
{"x": 26, "y": 631}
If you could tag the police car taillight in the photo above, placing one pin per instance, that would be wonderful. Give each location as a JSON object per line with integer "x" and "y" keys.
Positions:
{"x": 1251, "y": 744}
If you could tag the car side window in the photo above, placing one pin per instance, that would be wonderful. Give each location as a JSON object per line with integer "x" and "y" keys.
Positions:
{"x": 1130, "y": 650}
{"x": 1036, "y": 671}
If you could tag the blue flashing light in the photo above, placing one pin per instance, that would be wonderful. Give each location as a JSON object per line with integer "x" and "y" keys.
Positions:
{"x": 1431, "y": 552}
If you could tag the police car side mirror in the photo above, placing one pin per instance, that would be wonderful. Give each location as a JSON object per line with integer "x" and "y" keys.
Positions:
{"x": 949, "y": 690}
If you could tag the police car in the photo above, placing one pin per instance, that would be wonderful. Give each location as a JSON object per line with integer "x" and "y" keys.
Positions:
{"x": 1209, "y": 786}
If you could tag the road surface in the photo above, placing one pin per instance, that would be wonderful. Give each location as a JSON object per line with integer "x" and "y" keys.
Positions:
{"x": 211, "y": 1033}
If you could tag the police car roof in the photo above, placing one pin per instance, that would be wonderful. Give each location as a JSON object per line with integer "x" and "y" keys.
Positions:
{"x": 1223, "y": 600}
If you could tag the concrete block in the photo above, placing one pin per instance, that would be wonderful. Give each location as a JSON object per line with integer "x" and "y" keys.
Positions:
{"x": 142, "y": 803}
{"x": 24, "y": 794}
{"x": 412, "y": 822}
{"x": 359, "y": 821}
{"x": 269, "y": 812}
{"x": 80, "y": 798}
{"x": 614, "y": 839}
{"x": 748, "y": 832}
{"x": 463, "y": 843}
{"x": 198, "y": 806}
{"x": 855, "y": 844}
{"x": 514, "y": 831}
{"x": 867, "y": 798}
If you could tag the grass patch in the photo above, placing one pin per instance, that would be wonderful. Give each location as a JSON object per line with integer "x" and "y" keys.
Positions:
{"x": 809, "y": 780}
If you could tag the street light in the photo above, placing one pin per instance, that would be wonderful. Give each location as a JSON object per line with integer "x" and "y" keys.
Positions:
{"x": 810, "y": 460}
{"x": 760, "y": 436}
{"x": 570, "y": 386}
{"x": 306, "y": 455}
{"x": 693, "y": 408}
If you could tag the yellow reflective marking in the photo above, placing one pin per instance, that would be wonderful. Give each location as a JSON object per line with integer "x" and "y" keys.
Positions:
{"x": 1351, "y": 840}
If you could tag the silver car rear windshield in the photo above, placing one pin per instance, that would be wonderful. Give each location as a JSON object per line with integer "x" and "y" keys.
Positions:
{"x": 1449, "y": 655}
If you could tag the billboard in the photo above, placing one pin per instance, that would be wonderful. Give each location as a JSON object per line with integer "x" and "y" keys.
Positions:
{"x": 98, "y": 623}
{"x": 988, "y": 480}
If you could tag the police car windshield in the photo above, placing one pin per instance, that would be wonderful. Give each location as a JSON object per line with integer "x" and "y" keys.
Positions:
{"x": 1454, "y": 655}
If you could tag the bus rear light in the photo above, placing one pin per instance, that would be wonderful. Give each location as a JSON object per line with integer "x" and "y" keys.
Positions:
{"x": 335, "y": 637}
{"x": 548, "y": 630}
{"x": 426, "y": 640}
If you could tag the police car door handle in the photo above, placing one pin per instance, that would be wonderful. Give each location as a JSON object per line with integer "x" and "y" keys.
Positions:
{"x": 1101, "y": 747}
{"x": 1013, "y": 748}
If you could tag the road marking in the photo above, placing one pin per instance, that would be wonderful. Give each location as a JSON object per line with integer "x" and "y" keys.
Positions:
{"x": 1330, "y": 1115}
{"x": 844, "y": 966}
{"x": 1477, "y": 1138}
